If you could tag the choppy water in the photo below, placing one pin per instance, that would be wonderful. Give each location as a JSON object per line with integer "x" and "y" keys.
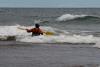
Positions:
{"x": 72, "y": 25}
{"x": 75, "y": 41}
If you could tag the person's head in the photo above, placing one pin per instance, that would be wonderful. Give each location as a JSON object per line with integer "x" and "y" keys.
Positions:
{"x": 37, "y": 25}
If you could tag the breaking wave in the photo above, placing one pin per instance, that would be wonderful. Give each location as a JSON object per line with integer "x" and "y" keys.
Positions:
{"x": 66, "y": 17}
{"x": 13, "y": 33}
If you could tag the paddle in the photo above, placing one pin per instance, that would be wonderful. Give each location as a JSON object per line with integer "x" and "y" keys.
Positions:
{"x": 21, "y": 28}
{"x": 45, "y": 33}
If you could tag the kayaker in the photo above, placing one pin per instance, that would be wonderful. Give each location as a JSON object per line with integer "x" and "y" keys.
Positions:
{"x": 35, "y": 31}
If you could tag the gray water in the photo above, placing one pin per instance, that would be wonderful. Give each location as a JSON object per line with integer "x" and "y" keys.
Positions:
{"x": 14, "y": 54}
{"x": 26, "y": 16}
{"x": 18, "y": 54}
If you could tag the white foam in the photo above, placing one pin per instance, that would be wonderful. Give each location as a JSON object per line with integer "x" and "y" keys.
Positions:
{"x": 7, "y": 30}
{"x": 69, "y": 17}
{"x": 60, "y": 39}
{"x": 37, "y": 21}
{"x": 97, "y": 43}
{"x": 23, "y": 36}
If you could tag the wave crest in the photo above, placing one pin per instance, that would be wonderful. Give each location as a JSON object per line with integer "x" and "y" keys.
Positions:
{"x": 66, "y": 17}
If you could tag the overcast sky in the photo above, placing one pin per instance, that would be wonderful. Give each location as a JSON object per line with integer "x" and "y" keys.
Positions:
{"x": 50, "y": 3}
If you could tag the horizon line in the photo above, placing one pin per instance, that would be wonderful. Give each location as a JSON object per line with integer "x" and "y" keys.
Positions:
{"x": 49, "y": 7}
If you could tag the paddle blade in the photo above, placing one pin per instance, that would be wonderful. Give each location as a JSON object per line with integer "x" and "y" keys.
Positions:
{"x": 49, "y": 33}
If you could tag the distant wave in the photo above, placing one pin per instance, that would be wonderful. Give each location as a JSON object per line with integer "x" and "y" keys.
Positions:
{"x": 66, "y": 17}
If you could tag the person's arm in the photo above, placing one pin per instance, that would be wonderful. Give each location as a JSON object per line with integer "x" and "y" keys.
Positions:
{"x": 29, "y": 30}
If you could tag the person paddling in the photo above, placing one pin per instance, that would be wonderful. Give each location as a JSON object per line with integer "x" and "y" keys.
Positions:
{"x": 35, "y": 31}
